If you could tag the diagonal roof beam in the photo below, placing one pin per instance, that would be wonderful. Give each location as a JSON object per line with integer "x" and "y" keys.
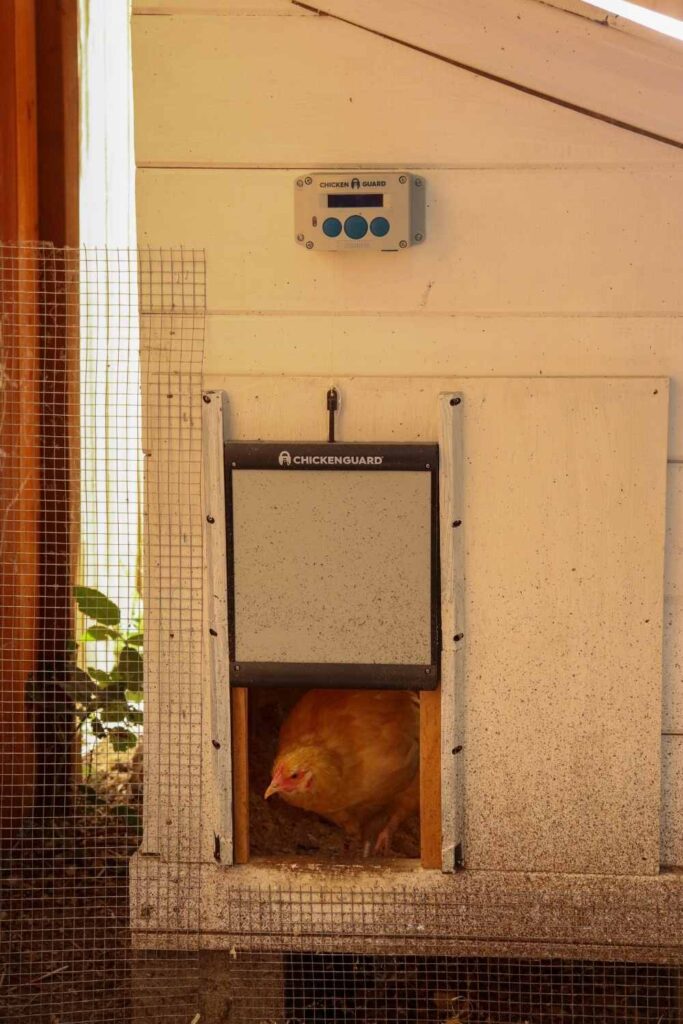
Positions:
{"x": 571, "y": 62}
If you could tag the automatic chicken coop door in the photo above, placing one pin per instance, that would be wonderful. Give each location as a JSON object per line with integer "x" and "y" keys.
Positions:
{"x": 333, "y": 564}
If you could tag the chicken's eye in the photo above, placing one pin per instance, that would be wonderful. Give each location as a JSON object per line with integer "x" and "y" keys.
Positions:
{"x": 294, "y": 775}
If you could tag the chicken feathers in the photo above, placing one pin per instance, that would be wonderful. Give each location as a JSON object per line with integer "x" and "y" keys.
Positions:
{"x": 352, "y": 756}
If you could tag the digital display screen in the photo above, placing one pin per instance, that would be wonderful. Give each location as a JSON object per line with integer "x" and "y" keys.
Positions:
{"x": 355, "y": 199}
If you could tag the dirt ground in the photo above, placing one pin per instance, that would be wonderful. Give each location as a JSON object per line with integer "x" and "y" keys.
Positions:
{"x": 64, "y": 940}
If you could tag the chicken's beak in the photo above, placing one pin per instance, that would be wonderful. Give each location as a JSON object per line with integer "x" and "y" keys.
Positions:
{"x": 272, "y": 788}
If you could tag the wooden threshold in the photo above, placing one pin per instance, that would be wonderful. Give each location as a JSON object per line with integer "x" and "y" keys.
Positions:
{"x": 430, "y": 778}
{"x": 240, "y": 774}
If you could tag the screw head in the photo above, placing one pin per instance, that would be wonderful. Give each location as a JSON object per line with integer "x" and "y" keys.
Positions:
{"x": 309, "y": 245}
{"x": 418, "y": 237}
{"x": 299, "y": 237}
{"x": 402, "y": 244}
{"x": 205, "y": 398}
{"x": 299, "y": 182}
{"x": 308, "y": 180}
{"x": 403, "y": 179}
{"x": 454, "y": 401}
{"x": 418, "y": 182}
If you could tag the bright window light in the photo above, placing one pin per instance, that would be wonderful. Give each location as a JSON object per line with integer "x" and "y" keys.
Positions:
{"x": 644, "y": 16}
{"x": 110, "y": 374}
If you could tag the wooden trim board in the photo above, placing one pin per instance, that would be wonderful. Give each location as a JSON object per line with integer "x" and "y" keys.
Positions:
{"x": 218, "y": 742}
{"x": 454, "y": 636}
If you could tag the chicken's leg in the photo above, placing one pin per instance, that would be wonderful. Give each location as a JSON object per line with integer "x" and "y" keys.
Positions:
{"x": 406, "y": 804}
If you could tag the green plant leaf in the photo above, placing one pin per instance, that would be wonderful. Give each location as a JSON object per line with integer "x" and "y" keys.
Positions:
{"x": 98, "y": 674}
{"x": 116, "y": 690}
{"x": 100, "y": 633}
{"x": 96, "y": 605}
{"x": 122, "y": 739}
{"x": 134, "y": 716}
{"x": 135, "y": 696}
{"x": 136, "y": 639}
{"x": 129, "y": 667}
{"x": 116, "y": 711}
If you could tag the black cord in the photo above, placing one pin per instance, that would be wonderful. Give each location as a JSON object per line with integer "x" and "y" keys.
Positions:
{"x": 332, "y": 406}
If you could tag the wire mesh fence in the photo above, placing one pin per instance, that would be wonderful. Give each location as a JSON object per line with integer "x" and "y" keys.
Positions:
{"x": 79, "y": 329}
{"x": 113, "y": 908}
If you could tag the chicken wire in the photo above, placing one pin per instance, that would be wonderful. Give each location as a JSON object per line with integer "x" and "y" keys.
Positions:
{"x": 73, "y": 727}
{"x": 100, "y": 373}
{"x": 395, "y": 955}
{"x": 360, "y": 989}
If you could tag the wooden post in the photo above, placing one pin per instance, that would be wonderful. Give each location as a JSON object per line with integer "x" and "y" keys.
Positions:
{"x": 58, "y": 138}
{"x": 18, "y": 140}
{"x": 430, "y": 778}
{"x": 20, "y": 410}
{"x": 57, "y": 120}
{"x": 240, "y": 774}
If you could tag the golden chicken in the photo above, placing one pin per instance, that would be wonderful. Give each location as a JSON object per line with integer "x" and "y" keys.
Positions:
{"x": 352, "y": 756}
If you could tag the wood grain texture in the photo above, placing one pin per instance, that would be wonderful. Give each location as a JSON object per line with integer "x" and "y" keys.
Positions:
{"x": 516, "y": 241}
{"x": 539, "y": 47}
{"x": 430, "y": 778}
{"x": 18, "y": 138}
{"x": 240, "y": 774}
{"x": 20, "y": 412}
{"x": 58, "y": 120}
{"x": 294, "y": 91}
{"x": 19, "y": 524}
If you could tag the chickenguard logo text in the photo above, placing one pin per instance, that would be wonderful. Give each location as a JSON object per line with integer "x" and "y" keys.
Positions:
{"x": 285, "y": 459}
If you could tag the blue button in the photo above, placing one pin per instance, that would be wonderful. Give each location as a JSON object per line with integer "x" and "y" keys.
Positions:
{"x": 356, "y": 227}
{"x": 379, "y": 227}
{"x": 332, "y": 227}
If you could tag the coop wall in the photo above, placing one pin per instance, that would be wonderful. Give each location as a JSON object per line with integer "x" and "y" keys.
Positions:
{"x": 552, "y": 250}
